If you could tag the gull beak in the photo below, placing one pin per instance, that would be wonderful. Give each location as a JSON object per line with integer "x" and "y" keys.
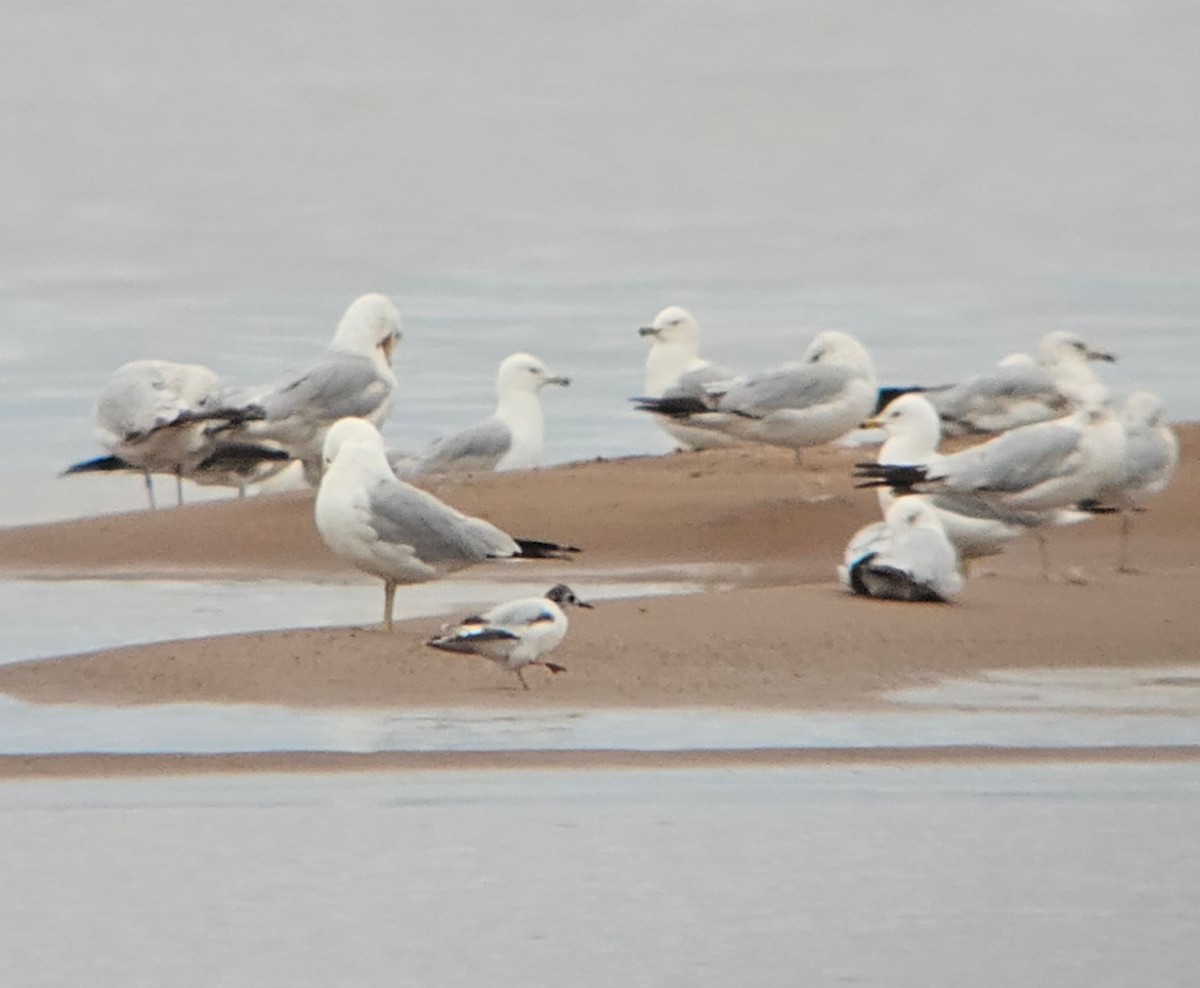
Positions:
{"x": 872, "y": 423}
{"x": 584, "y": 603}
{"x": 648, "y": 331}
{"x": 1101, "y": 355}
{"x": 557, "y": 379}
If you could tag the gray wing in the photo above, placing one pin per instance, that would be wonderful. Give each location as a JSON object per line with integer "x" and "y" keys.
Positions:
{"x": 518, "y": 612}
{"x": 1012, "y": 462}
{"x": 403, "y": 515}
{"x": 479, "y": 446}
{"x": 995, "y": 389}
{"x": 327, "y": 388}
{"x": 1146, "y": 456}
{"x": 796, "y": 386}
{"x": 692, "y": 383}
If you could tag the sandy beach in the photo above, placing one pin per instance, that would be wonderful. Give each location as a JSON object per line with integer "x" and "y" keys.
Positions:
{"x": 772, "y": 630}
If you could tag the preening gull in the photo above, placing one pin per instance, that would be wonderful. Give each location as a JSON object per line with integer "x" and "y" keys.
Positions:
{"x": 156, "y": 416}
{"x": 1036, "y": 467}
{"x": 516, "y": 634}
{"x": 393, "y": 530}
{"x": 510, "y": 439}
{"x": 1020, "y": 391}
{"x": 907, "y": 556}
{"x": 674, "y": 368}
{"x": 353, "y": 377}
{"x": 1149, "y": 462}
{"x": 795, "y": 405}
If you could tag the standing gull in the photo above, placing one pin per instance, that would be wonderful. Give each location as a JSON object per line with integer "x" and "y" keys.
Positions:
{"x": 510, "y": 439}
{"x": 675, "y": 369}
{"x": 795, "y": 405}
{"x": 353, "y": 377}
{"x": 907, "y": 556}
{"x": 156, "y": 416}
{"x": 1021, "y": 391}
{"x": 516, "y": 634}
{"x": 393, "y": 530}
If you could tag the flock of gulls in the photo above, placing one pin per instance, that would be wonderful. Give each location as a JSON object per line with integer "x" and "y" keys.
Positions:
{"x": 1042, "y": 444}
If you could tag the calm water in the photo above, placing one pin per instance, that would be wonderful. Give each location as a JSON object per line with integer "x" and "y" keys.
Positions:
{"x": 215, "y": 182}
{"x": 935, "y": 877}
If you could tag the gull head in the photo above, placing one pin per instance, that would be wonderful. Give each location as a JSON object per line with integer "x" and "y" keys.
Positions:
{"x": 832, "y": 346}
{"x": 369, "y": 326}
{"x": 1063, "y": 346}
{"x": 524, "y": 372}
{"x": 674, "y": 325}
{"x": 909, "y": 415}
{"x": 564, "y": 596}
{"x": 348, "y": 432}
{"x": 911, "y": 512}
{"x": 1142, "y": 408}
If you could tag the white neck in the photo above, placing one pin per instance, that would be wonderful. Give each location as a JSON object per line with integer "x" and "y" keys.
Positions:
{"x": 665, "y": 362}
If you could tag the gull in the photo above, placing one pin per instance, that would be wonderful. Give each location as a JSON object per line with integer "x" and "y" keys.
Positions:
{"x": 1150, "y": 460}
{"x": 353, "y": 377}
{"x": 156, "y": 416}
{"x": 907, "y": 557}
{"x": 516, "y": 634}
{"x": 1022, "y": 391}
{"x": 675, "y": 369}
{"x": 394, "y": 531}
{"x": 511, "y": 438}
{"x": 795, "y": 405}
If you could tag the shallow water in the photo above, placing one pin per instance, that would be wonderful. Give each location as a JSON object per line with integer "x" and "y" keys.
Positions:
{"x": 914, "y": 877}
{"x": 214, "y": 184}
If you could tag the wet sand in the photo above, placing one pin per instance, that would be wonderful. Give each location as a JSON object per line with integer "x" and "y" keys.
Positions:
{"x": 774, "y": 630}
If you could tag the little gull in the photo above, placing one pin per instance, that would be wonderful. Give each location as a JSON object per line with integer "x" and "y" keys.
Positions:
{"x": 393, "y": 530}
{"x": 156, "y": 416}
{"x": 675, "y": 369}
{"x": 512, "y": 438}
{"x": 1021, "y": 391}
{"x": 353, "y": 377}
{"x": 516, "y": 634}
{"x": 795, "y": 405}
{"x": 1150, "y": 460}
{"x": 907, "y": 557}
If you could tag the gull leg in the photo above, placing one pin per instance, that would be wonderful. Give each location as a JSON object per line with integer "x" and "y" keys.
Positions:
{"x": 799, "y": 458}
{"x": 1123, "y": 553}
{"x": 1043, "y": 551}
{"x": 389, "y": 598}
{"x": 521, "y": 676}
{"x": 149, "y": 489}
{"x": 179, "y": 487}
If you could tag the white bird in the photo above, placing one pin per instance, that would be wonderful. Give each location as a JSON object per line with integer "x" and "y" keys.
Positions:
{"x": 907, "y": 556}
{"x": 1150, "y": 460}
{"x": 674, "y": 368}
{"x": 976, "y": 527}
{"x": 796, "y": 405}
{"x": 1037, "y": 467}
{"x": 353, "y": 377}
{"x": 393, "y": 530}
{"x": 1020, "y": 391}
{"x": 516, "y": 634}
{"x": 510, "y": 439}
{"x": 156, "y": 416}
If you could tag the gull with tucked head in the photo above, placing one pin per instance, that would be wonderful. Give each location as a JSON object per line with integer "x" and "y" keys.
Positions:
{"x": 394, "y": 531}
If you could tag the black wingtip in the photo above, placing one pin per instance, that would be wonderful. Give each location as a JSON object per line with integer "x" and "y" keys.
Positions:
{"x": 534, "y": 549}
{"x": 676, "y": 408}
{"x": 887, "y": 395}
{"x": 101, "y": 464}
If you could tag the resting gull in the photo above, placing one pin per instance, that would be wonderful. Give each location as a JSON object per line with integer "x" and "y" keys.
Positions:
{"x": 907, "y": 557}
{"x": 393, "y": 530}
{"x": 795, "y": 405}
{"x": 516, "y": 634}
{"x": 675, "y": 369}
{"x": 510, "y": 439}
{"x": 353, "y": 377}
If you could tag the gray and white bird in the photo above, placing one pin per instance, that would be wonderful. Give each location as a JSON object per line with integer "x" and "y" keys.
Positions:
{"x": 394, "y": 531}
{"x": 1147, "y": 466}
{"x": 516, "y": 634}
{"x": 510, "y": 439}
{"x": 794, "y": 405}
{"x": 675, "y": 369}
{"x": 1021, "y": 390}
{"x": 352, "y": 377}
{"x": 157, "y": 416}
{"x": 907, "y": 557}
